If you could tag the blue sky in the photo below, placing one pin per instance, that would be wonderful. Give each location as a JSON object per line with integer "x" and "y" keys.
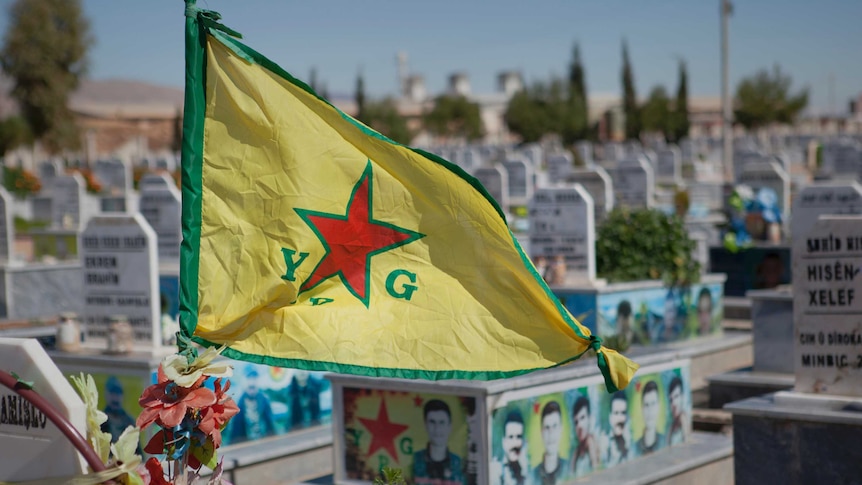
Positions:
{"x": 810, "y": 40}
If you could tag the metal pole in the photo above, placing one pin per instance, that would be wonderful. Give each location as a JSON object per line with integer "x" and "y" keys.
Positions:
{"x": 726, "y": 114}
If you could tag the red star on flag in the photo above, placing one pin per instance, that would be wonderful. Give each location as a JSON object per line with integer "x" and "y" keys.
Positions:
{"x": 383, "y": 432}
{"x": 352, "y": 239}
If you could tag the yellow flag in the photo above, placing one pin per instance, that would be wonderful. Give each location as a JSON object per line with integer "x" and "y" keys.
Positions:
{"x": 312, "y": 241}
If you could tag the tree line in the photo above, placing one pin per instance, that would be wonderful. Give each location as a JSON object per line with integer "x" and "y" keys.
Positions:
{"x": 45, "y": 48}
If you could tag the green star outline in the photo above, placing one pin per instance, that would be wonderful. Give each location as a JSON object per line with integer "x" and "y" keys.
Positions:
{"x": 303, "y": 213}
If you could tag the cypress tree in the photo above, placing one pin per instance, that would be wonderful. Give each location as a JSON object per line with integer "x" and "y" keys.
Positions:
{"x": 360, "y": 97}
{"x": 681, "y": 123}
{"x": 630, "y": 102}
{"x": 578, "y": 94}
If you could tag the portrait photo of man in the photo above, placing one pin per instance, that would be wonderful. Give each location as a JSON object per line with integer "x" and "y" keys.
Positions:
{"x": 616, "y": 445}
{"x": 553, "y": 467}
{"x": 704, "y": 311}
{"x": 625, "y": 326}
{"x": 511, "y": 469}
{"x": 303, "y": 399}
{"x": 677, "y": 430}
{"x": 118, "y": 418}
{"x": 586, "y": 456}
{"x": 436, "y": 465}
{"x": 651, "y": 440}
{"x": 255, "y": 419}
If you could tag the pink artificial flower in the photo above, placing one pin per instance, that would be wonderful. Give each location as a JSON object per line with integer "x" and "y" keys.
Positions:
{"x": 167, "y": 403}
{"x": 213, "y": 418}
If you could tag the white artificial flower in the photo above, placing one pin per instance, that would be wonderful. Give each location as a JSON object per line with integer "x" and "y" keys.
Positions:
{"x": 178, "y": 369}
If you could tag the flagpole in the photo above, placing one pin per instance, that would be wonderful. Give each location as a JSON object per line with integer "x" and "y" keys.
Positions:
{"x": 191, "y": 162}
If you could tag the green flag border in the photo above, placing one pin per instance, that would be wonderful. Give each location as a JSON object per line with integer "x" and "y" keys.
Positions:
{"x": 197, "y": 28}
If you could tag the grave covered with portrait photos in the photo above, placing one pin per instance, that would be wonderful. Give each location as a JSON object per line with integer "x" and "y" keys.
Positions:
{"x": 554, "y": 426}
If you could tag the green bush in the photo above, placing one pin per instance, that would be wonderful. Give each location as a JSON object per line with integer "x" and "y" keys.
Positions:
{"x": 645, "y": 244}
{"x": 390, "y": 476}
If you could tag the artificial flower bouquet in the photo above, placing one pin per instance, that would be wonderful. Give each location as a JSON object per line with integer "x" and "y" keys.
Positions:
{"x": 188, "y": 408}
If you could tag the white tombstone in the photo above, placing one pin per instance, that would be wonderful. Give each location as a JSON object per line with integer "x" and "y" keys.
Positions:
{"x": 771, "y": 175}
{"x": 633, "y": 148}
{"x": 468, "y": 158}
{"x": 161, "y": 206}
{"x": 559, "y": 165}
{"x": 813, "y": 201}
{"x": 651, "y": 156}
{"x": 584, "y": 150}
{"x": 826, "y": 307}
{"x": 115, "y": 176}
{"x": 842, "y": 158}
{"x": 613, "y": 152}
{"x": 781, "y": 159}
{"x": 67, "y": 200}
{"x": 31, "y": 446}
{"x": 668, "y": 166}
{"x": 120, "y": 267}
{"x": 520, "y": 177}
{"x": 48, "y": 171}
{"x": 489, "y": 152}
{"x": 562, "y": 223}
{"x": 597, "y": 182}
{"x": 705, "y": 197}
{"x": 534, "y": 154}
{"x": 745, "y": 157}
{"x": 166, "y": 163}
{"x": 634, "y": 183}
{"x": 7, "y": 226}
{"x": 686, "y": 150}
{"x": 496, "y": 182}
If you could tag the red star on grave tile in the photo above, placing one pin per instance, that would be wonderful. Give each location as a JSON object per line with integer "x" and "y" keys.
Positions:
{"x": 418, "y": 401}
{"x": 383, "y": 432}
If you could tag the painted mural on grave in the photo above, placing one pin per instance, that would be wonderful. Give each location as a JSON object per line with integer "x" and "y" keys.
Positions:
{"x": 118, "y": 399}
{"x": 556, "y": 437}
{"x": 751, "y": 268}
{"x": 273, "y": 401}
{"x": 60, "y": 245}
{"x": 651, "y": 316}
{"x": 169, "y": 307}
{"x": 432, "y": 438}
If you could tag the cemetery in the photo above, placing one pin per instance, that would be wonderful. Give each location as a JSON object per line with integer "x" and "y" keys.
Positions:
{"x": 605, "y": 300}
{"x": 101, "y": 279}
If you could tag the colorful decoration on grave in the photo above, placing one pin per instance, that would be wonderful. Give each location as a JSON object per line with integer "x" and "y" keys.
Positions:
{"x": 752, "y": 216}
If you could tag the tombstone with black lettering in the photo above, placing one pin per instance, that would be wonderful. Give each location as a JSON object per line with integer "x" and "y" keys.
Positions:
{"x": 496, "y": 182}
{"x": 634, "y": 183}
{"x": 813, "y": 201}
{"x": 597, "y": 182}
{"x": 559, "y": 165}
{"x": 562, "y": 224}
{"x": 668, "y": 166}
{"x": 67, "y": 201}
{"x": 519, "y": 173}
{"x": 161, "y": 205}
{"x": 32, "y": 448}
{"x": 827, "y": 304}
{"x": 118, "y": 254}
